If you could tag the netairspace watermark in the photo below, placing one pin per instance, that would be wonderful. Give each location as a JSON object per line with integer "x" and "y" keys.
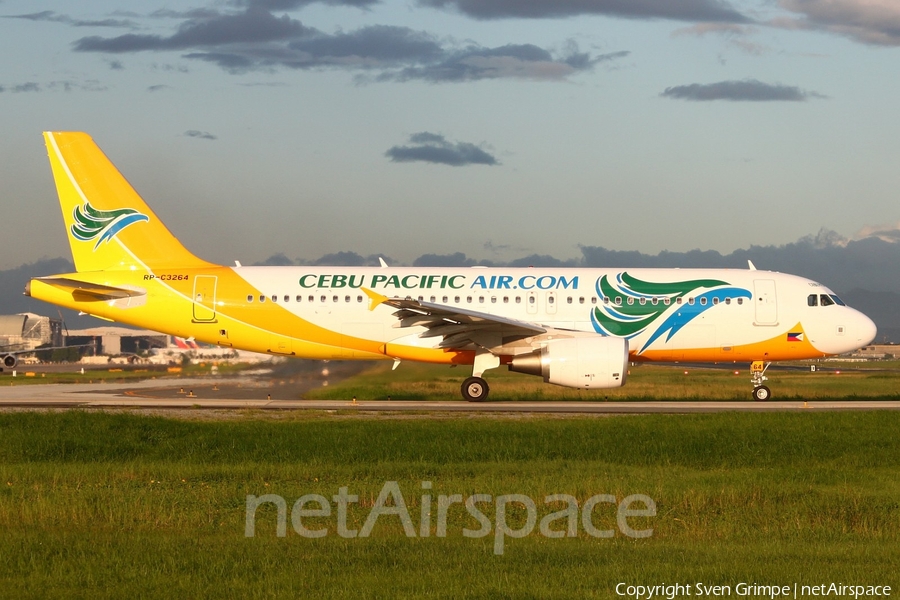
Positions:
{"x": 558, "y": 524}
{"x": 670, "y": 591}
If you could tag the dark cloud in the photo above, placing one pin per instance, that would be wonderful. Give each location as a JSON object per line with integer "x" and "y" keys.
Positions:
{"x": 21, "y": 87}
{"x": 875, "y": 23}
{"x": 434, "y": 148}
{"x": 294, "y": 4}
{"x": 158, "y": 88}
{"x": 249, "y": 27}
{"x": 335, "y": 259}
{"x": 748, "y": 90}
{"x": 203, "y": 135}
{"x": 457, "y": 259}
{"x": 51, "y": 16}
{"x": 681, "y": 10}
{"x": 255, "y": 39}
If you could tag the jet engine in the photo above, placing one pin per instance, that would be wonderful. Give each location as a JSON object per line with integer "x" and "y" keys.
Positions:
{"x": 9, "y": 361}
{"x": 581, "y": 362}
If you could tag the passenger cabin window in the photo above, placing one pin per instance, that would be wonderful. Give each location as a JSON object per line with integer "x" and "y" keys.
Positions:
{"x": 667, "y": 301}
{"x": 715, "y": 300}
{"x": 690, "y": 300}
{"x": 299, "y": 298}
{"x": 530, "y": 299}
{"x": 678, "y": 300}
{"x": 643, "y": 301}
{"x": 812, "y": 300}
{"x": 346, "y": 298}
{"x": 359, "y": 298}
{"x": 630, "y": 301}
{"x": 740, "y": 300}
{"x": 249, "y": 297}
{"x": 262, "y": 298}
{"x": 702, "y": 301}
{"x": 826, "y": 300}
{"x": 287, "y": 298}
{"x": 727, "y": 300}
{"x": 551, "y": 300}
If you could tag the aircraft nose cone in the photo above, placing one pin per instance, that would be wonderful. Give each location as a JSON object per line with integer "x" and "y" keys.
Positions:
{"x": 866, "y": 330}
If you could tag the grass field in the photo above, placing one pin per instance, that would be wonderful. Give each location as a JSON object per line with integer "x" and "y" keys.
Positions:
{"x": 413, "y": 381}
{"x": 116, "y": 505}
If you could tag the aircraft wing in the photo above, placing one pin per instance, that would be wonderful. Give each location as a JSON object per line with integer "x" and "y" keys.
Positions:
{"x": 459, "y": 328}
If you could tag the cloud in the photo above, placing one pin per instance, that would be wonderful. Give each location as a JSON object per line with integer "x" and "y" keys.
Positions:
{"x": 252, "y": 26}
{"x": 158, "y": 88}
{"x": 680, "y": 10}
{"x": 748, "y": 90}
{"x": 886, "y": 233}
{"x": 522, "y": 61}
{"x": 53, "y": 17}
{"x": 255, "y": 39}
{"x": 203, "y": 135}
{"x": 735, "y": 35}
{"x": 434, "y": 148}
{"x": 116, "y": 65}
{"x": 457, "y": 259}
{"x": 868, "y": 21}
{"x": 294, "y": 4}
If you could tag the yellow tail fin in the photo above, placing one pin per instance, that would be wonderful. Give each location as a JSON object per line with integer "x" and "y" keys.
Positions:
{"x": 108, "y": 224}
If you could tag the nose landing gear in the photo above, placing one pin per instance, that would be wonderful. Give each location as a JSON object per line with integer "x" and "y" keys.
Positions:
{"x": 761, "y": 393}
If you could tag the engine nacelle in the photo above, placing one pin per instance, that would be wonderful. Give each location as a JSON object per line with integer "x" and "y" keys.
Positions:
{"x": 582, "y": 362}
{"x": 9, "y": 361}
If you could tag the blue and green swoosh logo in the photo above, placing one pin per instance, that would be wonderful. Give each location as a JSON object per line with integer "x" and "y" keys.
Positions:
{"x": 644, "y": 304}
{"x": 102, "y": 225}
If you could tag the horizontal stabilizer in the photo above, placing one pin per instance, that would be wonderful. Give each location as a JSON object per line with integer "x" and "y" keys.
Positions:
{"x": 92, "y": 291}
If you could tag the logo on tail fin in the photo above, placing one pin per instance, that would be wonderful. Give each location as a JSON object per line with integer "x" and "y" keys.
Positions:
{"x": 91, "y": 223}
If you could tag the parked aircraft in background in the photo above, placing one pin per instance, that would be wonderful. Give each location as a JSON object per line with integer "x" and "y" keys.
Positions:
{"x": 573, "y": 327}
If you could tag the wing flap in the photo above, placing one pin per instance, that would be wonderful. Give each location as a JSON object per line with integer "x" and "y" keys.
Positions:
{"x": 459, "y": 328}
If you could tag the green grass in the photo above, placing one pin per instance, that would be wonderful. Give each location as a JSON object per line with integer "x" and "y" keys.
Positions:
{"x": 118, "y": 505}
{"x": 645, "y": 382}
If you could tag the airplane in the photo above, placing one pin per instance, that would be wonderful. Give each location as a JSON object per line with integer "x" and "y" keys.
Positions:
{"x": 574, "y": 327}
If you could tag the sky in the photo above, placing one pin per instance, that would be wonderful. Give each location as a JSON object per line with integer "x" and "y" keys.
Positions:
{"x": 495, "y": 128}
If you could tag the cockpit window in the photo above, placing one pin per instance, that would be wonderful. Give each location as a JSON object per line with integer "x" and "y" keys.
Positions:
{"x": 812, "y": 300}
{"x": 837, "y": 300}
{"x": 826, "y": 300}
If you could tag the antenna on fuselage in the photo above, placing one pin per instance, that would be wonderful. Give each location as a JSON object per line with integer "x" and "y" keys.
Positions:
{"x": 384, "y": 265}
{"x": 750, "y": 265}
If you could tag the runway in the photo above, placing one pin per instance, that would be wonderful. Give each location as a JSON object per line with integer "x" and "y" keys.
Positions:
{"x": 168, "y": 394}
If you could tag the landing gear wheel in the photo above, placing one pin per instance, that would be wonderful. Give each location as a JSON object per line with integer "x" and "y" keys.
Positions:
{"x": 762, "y": 393}
{"x": 475, "y": 389}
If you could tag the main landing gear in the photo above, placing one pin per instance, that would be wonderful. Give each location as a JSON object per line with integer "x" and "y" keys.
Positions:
{"x": 475, "y": 389}
{"x": 761, "y": 393}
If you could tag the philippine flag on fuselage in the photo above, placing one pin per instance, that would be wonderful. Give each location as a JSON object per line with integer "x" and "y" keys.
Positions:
{"x": 795, "y": 337}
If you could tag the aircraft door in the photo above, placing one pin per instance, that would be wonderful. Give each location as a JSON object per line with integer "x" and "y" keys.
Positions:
{"x": 205, "y": 298}
{"x": 765, "y": 301}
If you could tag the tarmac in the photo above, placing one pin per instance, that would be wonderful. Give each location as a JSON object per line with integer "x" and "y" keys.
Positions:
{"x": 246, "y": 393}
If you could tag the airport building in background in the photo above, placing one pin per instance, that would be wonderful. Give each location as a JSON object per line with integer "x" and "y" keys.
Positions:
{"x": 27, "y": 331}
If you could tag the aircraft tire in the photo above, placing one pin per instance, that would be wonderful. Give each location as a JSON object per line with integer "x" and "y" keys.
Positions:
{"x": 762, "y": 393}
{"x": 475, "y": 389}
